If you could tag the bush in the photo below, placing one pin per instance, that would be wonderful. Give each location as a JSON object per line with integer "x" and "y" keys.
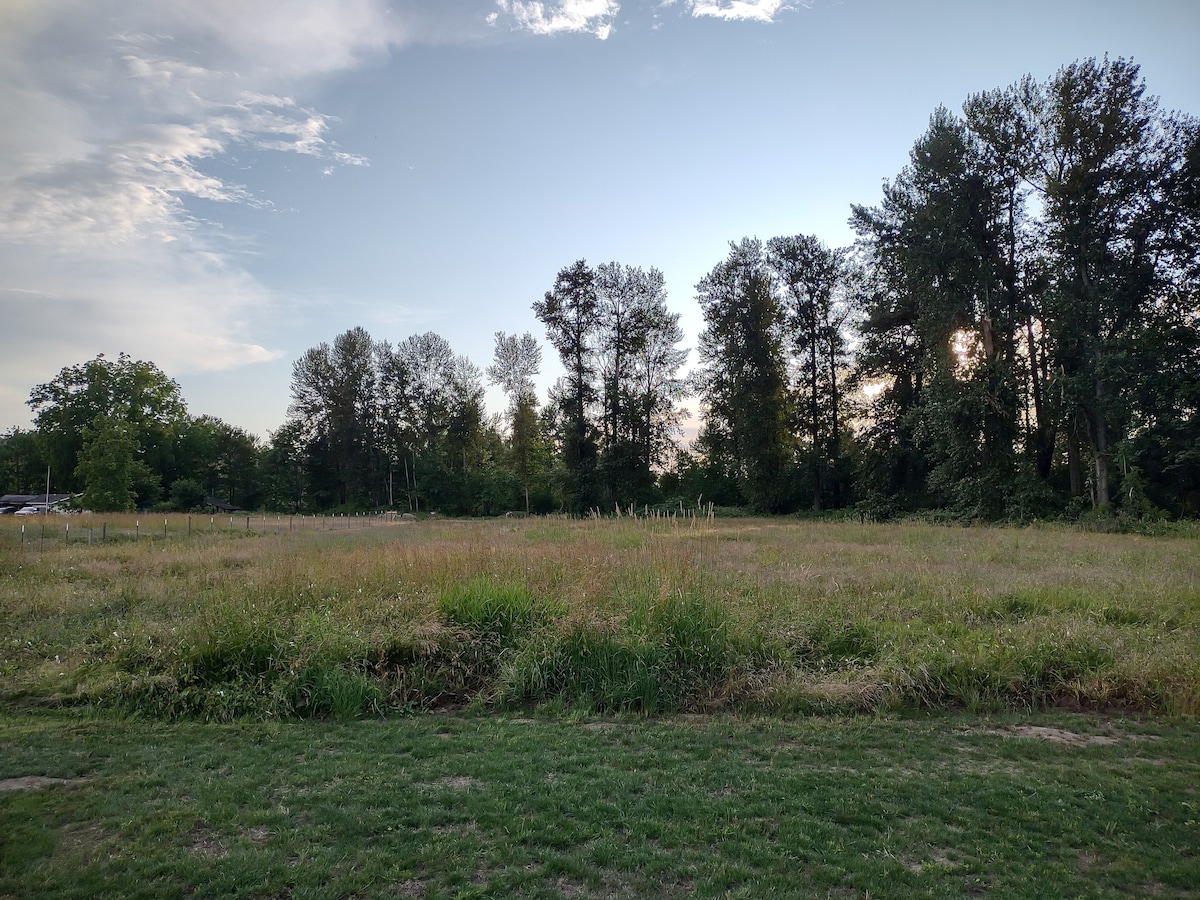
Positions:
{"x": 186, "y": 495}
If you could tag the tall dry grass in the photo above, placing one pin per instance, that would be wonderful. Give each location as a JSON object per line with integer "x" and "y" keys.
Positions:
{"x": 616, "y": 614}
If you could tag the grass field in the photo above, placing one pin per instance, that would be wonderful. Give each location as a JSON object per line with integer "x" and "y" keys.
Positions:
{"x": 505, "y": 805}
{"x": 624, "y": 615}
{"x": 554, "y": 708}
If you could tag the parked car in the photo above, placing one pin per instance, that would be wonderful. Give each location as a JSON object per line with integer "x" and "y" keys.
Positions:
{"x": 27, "y": 511}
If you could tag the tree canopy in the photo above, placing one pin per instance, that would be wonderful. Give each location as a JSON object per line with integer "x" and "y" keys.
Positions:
{"x": 1015, "y": 333}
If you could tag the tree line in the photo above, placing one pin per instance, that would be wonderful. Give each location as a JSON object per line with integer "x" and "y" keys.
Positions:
{"x": 1014, "y": 334}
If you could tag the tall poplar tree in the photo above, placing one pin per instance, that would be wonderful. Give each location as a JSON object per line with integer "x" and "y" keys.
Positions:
{"x": 571, "y": 313}
{"x": 742, "y": 378}
{"x": 515, "y": 361}
{"x": 809, "y": 275}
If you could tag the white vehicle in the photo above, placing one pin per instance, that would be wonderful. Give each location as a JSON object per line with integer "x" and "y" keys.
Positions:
{"x": 27, "y": 511}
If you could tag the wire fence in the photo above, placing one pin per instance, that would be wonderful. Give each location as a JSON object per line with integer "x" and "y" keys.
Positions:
{"x": 46, "y": 531}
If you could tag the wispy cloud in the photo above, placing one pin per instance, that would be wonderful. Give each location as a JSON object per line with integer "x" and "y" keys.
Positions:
{"x": 587, "y": 16}
{"x": 750, "y": 10}
{"x": 120, "y": 114}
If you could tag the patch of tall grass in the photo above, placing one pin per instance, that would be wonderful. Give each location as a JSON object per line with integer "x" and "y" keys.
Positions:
{"x": 679, "y": 651}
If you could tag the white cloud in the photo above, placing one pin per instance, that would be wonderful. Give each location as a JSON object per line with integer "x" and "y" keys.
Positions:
{"x": 732, "y": 10}
{"x": 121, "y": 116}
{"x": 588, "y": 16}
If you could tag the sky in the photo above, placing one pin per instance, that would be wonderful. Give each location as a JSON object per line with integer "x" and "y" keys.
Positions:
{"x": 218, "y": 185}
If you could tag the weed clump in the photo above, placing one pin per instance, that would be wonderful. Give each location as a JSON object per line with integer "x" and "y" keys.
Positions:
{"x": 662, "y": 656}
{"x": 502, "y": 614}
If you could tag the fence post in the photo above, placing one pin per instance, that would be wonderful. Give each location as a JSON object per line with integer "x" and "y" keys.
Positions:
{"x": 189, "y": 526}
{"x": 164, "y": 526}
{"x": 137, "y": 530}
{"x": 247, "y": 523}
{"x": 22, "y": 535}
{"x": 103, "y": 532}
{"x": 67, "y": 533}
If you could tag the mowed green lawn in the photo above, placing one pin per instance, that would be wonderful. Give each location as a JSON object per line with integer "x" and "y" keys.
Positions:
{"x": 578, "y": 806}
{"x": 602, "y": 708}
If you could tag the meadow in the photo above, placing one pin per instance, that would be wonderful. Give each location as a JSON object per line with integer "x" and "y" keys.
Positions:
{"x": 598, "y": 708}
{"x": 611, "y": 615}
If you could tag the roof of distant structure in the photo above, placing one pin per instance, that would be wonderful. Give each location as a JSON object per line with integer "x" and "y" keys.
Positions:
{"x": 32, "y": 499}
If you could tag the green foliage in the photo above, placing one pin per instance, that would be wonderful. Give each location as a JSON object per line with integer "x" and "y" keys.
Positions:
{"x": 1023, "y": 279}
{"x": 810, "y": 277}
{"x": 22, "y": 462}
{"x": 107, "y": 466}
{"x": 743, "y": 378}
{"x": 615, "y": 412}
{"x": 570, "y": 312}
{"x": 335, "y": 692}
{"x": 134, "y": 392}
{"x": 186, "y": 495}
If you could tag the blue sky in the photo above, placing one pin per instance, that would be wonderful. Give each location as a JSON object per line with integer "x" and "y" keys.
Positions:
{"x": 219, "y": 185}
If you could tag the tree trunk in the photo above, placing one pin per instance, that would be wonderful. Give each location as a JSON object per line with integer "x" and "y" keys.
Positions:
{"x": 1074, "y": 467}
{"x": 1098, "y": 438}
{"x": 1043, "y": 431}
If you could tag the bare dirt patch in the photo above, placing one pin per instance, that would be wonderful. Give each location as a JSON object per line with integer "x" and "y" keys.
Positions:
{"x": 33, "y": 782}
{"x": 203, "y": 842}
{"x": 1061, "y": 736}
{"x": 259, "y": 834}
{"x": 87, "y": 841}
{"x": 413, "y": 887}
{"x": 457, "y": 782}
{"x": 936, "y": 858}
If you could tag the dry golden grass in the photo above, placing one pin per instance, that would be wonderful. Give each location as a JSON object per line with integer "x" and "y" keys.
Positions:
{"x": 796, "y": 615}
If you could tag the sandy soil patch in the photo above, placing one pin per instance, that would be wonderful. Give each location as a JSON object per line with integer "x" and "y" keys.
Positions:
{"x": 1058, "y": 736}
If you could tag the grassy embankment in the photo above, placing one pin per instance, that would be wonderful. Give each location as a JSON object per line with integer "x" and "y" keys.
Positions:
{"x": 746, "y": 615}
